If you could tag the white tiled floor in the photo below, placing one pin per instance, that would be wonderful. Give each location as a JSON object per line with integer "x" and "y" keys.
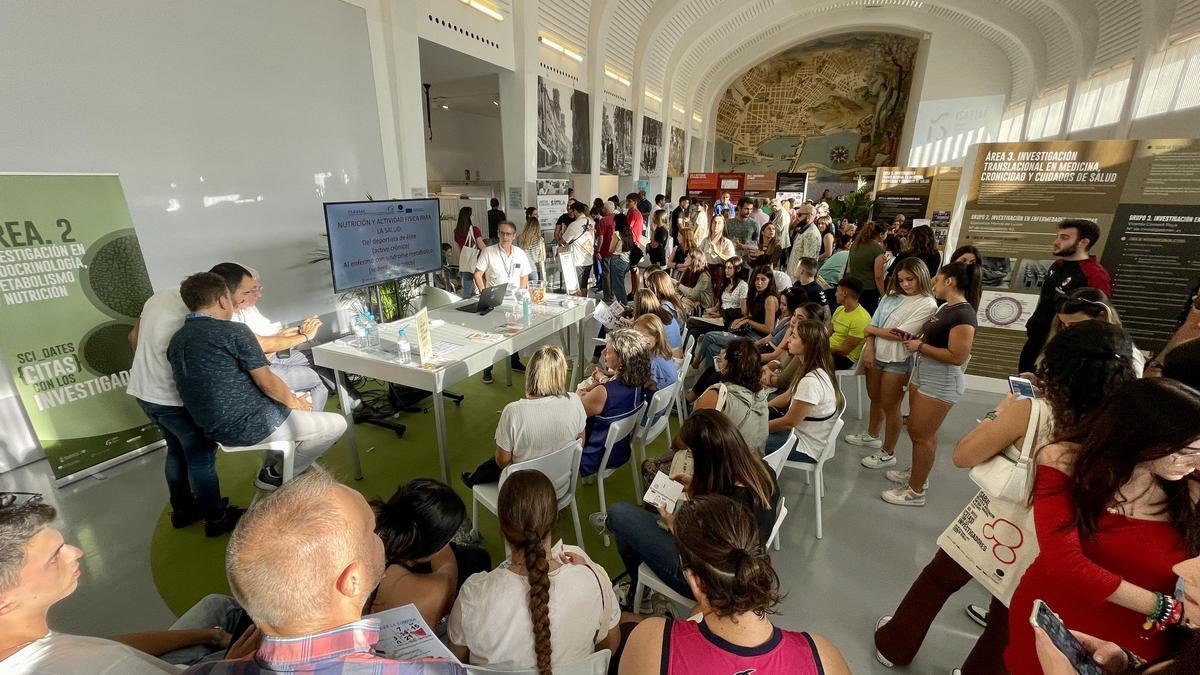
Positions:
{"x": 838, "y": 586}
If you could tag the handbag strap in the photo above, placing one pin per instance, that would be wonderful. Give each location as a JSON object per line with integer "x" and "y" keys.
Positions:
{"x": 605, "y": 608}
{"x": 1035, "y": 413}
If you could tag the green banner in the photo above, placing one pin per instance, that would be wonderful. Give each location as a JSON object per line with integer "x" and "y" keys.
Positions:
{"x": 72, "y": 284}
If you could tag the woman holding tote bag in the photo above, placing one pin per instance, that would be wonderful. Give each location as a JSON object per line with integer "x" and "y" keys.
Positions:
{"x": 1081, "y": 367}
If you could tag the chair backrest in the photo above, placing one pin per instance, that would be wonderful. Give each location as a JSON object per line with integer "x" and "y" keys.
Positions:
{"x": 831, "y": 444}
{"x": 686, "y": 364}
{"x": 560, "y": 466}
{"x": 657, "y": 417}
{"x": 593, "y": 664}
{"x": 778, "y": 521}
{"x": 620, "y": 430}
{"x": 433, "y": 297}
{"x": 777, "y": 459}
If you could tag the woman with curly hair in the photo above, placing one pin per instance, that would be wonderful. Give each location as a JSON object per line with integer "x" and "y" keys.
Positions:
{"x": 567, "y": 605}
{"x": 739, "y": 393}
{"x": 626, "y": 378}
{"x": 728, "y": 571}
{"x": 1083, "y": 365}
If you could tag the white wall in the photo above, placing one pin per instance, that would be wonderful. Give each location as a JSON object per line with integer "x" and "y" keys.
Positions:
{"x": 464, "y": 141}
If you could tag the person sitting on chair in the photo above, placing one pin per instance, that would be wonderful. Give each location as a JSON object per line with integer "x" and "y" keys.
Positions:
{"x": 228, "y": 388}
{"x": 503, "y": 263}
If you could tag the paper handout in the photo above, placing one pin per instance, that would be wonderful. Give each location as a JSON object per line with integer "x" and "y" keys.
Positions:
{"x": 663, "y": 492}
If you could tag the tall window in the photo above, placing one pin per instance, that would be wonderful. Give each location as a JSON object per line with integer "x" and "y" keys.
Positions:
{"x": 1012, "y": 123}
{"x": 1172, "y": 80}
{"x": 1046, "y": 114}
{"x": 1099, "y": 100}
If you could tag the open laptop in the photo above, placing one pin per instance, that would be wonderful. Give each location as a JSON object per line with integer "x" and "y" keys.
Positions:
{"x": 489, "y": 298}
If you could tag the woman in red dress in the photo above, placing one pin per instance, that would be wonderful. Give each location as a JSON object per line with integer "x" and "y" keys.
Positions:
{"x": 1113, "y": 516}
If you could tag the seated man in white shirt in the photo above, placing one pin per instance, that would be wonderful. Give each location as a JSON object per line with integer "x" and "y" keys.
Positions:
{"x": 294, "y": 369}
{"x": 503, "y": 263}
{"x": 38, "y": 569}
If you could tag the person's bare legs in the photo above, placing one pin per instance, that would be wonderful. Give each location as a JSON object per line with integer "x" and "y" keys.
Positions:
{"x": 875, "y": 417}
{"x": 891, "y": 394}
{"x": 924, "y": 418}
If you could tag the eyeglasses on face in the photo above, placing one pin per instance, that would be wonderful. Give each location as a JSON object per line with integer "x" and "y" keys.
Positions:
{"x": 8, "y": 499}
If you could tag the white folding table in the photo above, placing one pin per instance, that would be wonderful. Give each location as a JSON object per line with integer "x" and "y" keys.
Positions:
{"x": 459, "y": 356}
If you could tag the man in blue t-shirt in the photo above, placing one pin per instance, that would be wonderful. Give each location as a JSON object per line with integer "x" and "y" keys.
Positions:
{"x": 227, "y": 385}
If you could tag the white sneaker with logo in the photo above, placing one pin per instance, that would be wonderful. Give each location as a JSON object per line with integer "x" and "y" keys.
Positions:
{"x": 903, "y": 496}
{"x": 878, "y": 460}
{"x": 865, "y": 440}
{"x": 901, "y": 477}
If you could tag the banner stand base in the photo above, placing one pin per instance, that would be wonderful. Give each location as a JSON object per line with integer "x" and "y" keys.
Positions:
{"x": 102, "y": 466}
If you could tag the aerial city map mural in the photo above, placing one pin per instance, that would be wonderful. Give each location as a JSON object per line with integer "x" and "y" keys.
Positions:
{"x": 833, "y": 106}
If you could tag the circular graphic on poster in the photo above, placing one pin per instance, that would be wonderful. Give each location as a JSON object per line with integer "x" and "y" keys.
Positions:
{"x": 1003, "y": 311}
{"x": 114, "y": 276}
{"x": 839, "y": 155}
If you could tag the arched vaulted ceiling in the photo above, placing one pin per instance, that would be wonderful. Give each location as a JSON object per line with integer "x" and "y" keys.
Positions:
{"x": 687, "y": 49}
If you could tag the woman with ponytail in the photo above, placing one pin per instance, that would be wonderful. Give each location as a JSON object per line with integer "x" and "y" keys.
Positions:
{"x": 729, "y": 571}
{"x": 535, "y": 611}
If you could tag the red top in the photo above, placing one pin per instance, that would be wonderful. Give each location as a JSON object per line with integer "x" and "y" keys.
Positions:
{"x": 636, "y": 223}
{"x": 1075, "y": 576}
{"x": 605, "y": 227}
{"x": 462, "y": 240}
{"x": 1097, "y": 277}
{"x": 692, "y": 649}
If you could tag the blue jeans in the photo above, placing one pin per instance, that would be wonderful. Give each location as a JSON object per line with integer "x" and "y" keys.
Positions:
{"x": 212, "y": 611}
{"x": 712, "y": 343}
{"x": 617, "y": 268}
{"x": 468, "y": 284}
{"x": 641, "y": 540}
{"x": 776, "y": 440}
{"x": 191, "y": 467}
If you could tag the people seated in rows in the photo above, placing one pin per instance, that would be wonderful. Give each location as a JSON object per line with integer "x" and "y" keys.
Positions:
{"x": 296, "y": 370}
{"x": 662, "y": 360}
{"x": 759, "y": 311}
{"x": 779, "y": 365}
{"x": 503, "y": 263}
{"x": 38, "y": 568}
{"x": 647, "y": 301}
{"x": 626, "y": 385}
{"x": 739, "y": 393}
{"x": 849, "y": 324}
{"x": 867, "y": 263}
{"x": 811, "y": 401}
{"x": 191, "y": 456}
{"x": 1114, "y": 516}
{"x": 303, "y": 562}
{"x": 227, "y": 385}
{"x": 471, "y": 245}
{"x": 547, "y": 419}
{"x": 905, "y": 307}
{"x": 536, "y": 611}
{"x": 790, "y": 299}
{"x": 722, "y": 463}
{"x": 940, "y": 349}
{"x": 665, "y": 289}
{"x": 1082, "y": 367}
{"x": 728, "y": 570}
{"x": 695, "y": 285}
{"x": 424, "y": 567}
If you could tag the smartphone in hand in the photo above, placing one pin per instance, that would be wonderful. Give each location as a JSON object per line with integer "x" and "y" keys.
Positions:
{"x": 1022, "y": 387}
{"x": 1062, "y": 638}
{"x": 902, "y": 334}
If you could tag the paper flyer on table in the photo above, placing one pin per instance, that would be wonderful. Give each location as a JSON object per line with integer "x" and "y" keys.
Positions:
{"x": 404, "y": 635}
{"x": 663, "y": 492}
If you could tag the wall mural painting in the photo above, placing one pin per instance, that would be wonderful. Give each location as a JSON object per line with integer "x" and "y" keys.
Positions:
{"x": 835, "y": 106}
{"x": 675, "y": 154}
{"x": 554, "y": 126}
{"x": 652, "y": 131}
{"x": 616, "y": 141}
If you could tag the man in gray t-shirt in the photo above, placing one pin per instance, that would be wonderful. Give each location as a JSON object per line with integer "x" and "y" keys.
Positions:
{"x": 229, "y": 389}
{"x": 742, "y": 229}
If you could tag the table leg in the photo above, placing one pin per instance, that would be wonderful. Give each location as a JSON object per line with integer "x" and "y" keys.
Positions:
{"x": 508, "y": 370}
{"x": 343, "y": 393}
{"x": 439, "y": 425}
{"x": 580, "y": 347}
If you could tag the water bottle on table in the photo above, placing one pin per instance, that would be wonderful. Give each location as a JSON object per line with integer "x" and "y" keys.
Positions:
{"x": 404, "y": 348}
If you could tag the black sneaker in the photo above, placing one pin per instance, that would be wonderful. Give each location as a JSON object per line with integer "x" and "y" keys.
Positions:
{"x": 517, "y": 366}
{"x": 269, "y": 479}
{"x": 229, "y": 520}
{"x": 487, "y": 376}
{"x": 182, "y": 518}
{"x": 466, "y": 478}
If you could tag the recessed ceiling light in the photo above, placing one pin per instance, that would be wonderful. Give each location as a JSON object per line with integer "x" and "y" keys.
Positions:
{"x": 445, "y": 107}
{"x": 495, "y": 103}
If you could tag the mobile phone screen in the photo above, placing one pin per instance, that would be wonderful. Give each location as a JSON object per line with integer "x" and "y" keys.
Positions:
{"x": 1062, "y": 638}
{"x": 1021, "y": 387}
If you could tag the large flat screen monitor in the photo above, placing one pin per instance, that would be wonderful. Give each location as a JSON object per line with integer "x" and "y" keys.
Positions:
{"x": 374, "y": 242}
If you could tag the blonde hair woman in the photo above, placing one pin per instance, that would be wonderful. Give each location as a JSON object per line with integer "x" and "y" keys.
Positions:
{"x": 531, "y": 241}
{"x": 545, "y": 420}
{"x": 687, "y": 244}
{"x": 662, "y": 359}
{"x": 695, "y": 285}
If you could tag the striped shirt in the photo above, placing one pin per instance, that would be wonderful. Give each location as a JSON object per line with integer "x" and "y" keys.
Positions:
{"x": 344, "y": 650}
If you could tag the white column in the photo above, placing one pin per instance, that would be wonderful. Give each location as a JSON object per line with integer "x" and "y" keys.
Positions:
{"x": 408, "y": 97}
{"x": 518, "y": 108}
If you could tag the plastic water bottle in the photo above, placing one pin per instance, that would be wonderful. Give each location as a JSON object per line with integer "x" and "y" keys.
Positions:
{"x": 372, "y": 329}
{"x": 360, "y": 330}
{"x": 527, "y": 308}
{"x": 405, "y": 349}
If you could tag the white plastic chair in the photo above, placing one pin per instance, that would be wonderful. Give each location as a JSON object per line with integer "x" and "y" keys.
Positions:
{"x": 593, "y": 664}
{"x": 858, "y": 380}
{"x": 433, "y": 297}
{"x": 648, "y": 579}
{"x": 656, "y": 420}
{"x": 776, "y": 459}
{"x": 618, "y": 431}
{"x": 685, "y": 368}
{"x": 818, "y": 469}
{"x": 560, "y": 466}
{"x": 286, "y": 448}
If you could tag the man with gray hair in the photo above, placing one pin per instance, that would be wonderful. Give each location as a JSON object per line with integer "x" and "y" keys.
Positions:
{"x": 302, "y": 562}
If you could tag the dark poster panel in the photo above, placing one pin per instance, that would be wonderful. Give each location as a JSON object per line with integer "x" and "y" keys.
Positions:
{"x": 581, "y": 132}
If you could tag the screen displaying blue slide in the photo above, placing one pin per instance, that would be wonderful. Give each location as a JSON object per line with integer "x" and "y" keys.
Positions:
{"x": 373, "y": 242}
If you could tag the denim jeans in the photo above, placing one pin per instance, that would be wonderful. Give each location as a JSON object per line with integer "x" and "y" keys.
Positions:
{"x": 191, "y": 466}
{"x": 712, "y": 343}
{"x": 212, "y": 611}
{"x": 298, "y": 374}
{"x": 468, "y": 284}
{"x": 617, "y": 268}
{"x": 641, "y": 540}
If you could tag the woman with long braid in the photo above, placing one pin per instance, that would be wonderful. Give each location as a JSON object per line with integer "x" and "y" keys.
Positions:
{"x": 566, "y": 604}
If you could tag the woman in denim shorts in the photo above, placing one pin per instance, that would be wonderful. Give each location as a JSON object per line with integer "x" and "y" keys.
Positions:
{"x": 904, "y": 309}
{"x": 941, "y": 352}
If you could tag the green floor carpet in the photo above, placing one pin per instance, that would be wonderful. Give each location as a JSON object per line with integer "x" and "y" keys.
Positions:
{"x": 187, "y": 565}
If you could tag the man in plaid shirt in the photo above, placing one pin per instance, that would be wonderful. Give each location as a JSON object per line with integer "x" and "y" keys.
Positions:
{"x": 302, "y": 562}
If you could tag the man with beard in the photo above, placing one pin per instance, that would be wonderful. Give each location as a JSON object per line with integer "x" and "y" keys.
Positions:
{"x": 1074, "y": 268}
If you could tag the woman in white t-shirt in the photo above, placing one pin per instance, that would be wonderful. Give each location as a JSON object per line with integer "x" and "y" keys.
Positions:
{"x": 545, "y": 420}
{"x": 812, "y": 399}
{"x": 535, "y": 611}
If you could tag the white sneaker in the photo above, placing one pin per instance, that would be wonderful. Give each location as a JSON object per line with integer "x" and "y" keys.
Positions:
{"x": 978, "y": 614}
{"x": 879, "y": 657}
{"x": 878, "y": 460}
{"x": 901, "y": 476}
{"x": 903, "y": 496}
{"x": 865, "y": 440}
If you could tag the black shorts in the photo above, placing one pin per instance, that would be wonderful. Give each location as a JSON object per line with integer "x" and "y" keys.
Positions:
{"x": 584, "y": 273}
